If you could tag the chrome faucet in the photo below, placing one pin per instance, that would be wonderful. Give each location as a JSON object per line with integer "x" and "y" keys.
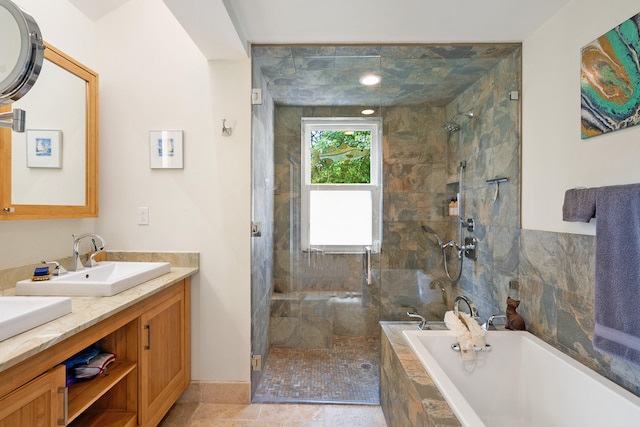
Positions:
{"x": 423, "y": 322}
{"x": 488, "y": 325}
{"x": 57, "y": 268}
{"x": 76, "y": 263}
{"x": 473, "y": 311}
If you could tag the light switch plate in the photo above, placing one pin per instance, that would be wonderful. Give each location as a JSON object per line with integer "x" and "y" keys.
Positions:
{"x": 143, "y": 216}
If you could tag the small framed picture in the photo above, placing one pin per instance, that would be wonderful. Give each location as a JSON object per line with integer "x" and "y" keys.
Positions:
{"x": 44, "y": 148}
{"x": 165, "y": 149}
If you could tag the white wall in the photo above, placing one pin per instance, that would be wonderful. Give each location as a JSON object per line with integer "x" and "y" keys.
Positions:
{"x": 153, "y": 77}
{"x": 65, "y": 27}
{"x": 25, "y": 242}
{"x": 555, "y": 158}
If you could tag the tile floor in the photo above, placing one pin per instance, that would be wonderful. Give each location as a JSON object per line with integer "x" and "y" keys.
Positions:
{"x": 348, "y": 373}
{"x": 313, "y": 379}
{"x": 272, "y": 415}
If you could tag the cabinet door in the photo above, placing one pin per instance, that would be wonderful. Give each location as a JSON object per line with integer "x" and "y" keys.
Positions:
{"x": 164, "y": 364}
{"x": 39, "y": 403}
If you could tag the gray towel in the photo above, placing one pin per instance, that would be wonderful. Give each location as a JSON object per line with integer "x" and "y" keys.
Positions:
{"x": 617, "y": 280}
{"x": 579, "y": 204}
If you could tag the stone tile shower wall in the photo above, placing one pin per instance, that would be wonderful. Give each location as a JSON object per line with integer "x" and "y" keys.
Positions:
{"x": 262, "y": 211}
{"x": 490, "y": 145}
{"x": 415, "y": 187}
{"x": 316, "y": 296}
{"x": 419, "y": 179}
{"x": 555, "y": 271}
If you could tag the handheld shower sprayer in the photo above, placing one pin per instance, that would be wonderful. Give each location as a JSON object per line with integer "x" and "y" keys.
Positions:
{"x": 430, "y": 230}
{"x": 462, "y": 247}
{"x": 441, "y": 245}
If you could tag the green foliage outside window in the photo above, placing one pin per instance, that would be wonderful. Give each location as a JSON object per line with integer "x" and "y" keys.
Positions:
{"x": 340, "y": 157}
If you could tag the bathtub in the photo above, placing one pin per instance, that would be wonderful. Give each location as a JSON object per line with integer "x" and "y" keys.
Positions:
{"x": 522, "y": 381}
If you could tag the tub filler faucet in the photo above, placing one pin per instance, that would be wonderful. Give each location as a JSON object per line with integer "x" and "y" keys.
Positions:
{"x": 473, "y": 311}
{"x": 76, "y": 263}
{"x": 423, "y": 322}
{"x": 488, "y": 325}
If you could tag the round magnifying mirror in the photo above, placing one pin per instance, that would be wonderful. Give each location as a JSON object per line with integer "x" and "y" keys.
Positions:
{"x": 21, "y": 52}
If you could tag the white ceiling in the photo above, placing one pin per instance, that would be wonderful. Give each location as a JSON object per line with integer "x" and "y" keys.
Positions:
{"x": 97, "y": 9}
{"x": 222, "y": 28}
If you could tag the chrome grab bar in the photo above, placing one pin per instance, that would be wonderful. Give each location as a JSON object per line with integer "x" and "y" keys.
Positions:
{"x": 367, "y": 263}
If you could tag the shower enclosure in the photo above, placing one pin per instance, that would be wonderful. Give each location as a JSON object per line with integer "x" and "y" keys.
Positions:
{"x": 315, "y": 312}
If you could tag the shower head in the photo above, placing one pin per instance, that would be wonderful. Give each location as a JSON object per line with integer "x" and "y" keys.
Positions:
{"x": 452, "y": 125}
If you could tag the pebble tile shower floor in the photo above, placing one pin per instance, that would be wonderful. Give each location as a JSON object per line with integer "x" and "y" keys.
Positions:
{"x": 348, "y": 373}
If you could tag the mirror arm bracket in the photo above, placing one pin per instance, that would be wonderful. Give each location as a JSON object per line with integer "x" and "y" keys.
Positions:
{"x": 13, "y": 119}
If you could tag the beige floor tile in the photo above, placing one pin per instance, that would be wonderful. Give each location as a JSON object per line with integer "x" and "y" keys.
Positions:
{"x": 212, "y": 411}
{"x": 353, "y": 416}
{"x": 234, "y": 423}
{"x": 291, "y": 412}
{"x": 179, "y": 415}
{"x": 273, "y": 415}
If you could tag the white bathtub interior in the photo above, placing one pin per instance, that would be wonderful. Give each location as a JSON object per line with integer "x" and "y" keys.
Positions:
{"x": 522, "y": 382}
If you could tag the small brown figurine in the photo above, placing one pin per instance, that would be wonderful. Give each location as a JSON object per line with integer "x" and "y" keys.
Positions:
{"x": 515, "y": 322}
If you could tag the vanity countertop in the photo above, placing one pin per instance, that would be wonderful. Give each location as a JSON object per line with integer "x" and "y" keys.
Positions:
{"x": 85, "y": 312}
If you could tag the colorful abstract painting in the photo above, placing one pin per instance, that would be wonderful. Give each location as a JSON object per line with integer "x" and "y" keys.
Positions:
{"x": 610, "y": 80}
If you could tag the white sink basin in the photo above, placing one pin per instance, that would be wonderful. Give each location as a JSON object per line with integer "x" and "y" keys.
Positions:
{"x": 19, "y": 314}
{"x": 106, "y": 279}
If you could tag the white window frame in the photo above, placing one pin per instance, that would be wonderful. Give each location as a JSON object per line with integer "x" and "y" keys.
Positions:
{"x": 375, "y": 186}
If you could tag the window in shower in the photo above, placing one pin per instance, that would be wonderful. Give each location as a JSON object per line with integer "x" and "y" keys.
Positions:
{"x": 341, "y": 203}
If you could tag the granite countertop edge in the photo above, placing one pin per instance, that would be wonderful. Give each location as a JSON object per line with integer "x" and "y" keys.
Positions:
{"x": 85, "y": 312}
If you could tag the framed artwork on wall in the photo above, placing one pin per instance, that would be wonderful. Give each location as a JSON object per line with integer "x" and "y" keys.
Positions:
{"x": 44, "y": 149}
{"x": 610, "y": 80}
{"x": 165, "y": 149}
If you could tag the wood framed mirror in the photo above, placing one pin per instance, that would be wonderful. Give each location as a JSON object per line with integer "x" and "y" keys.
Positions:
{"x": 51, "y": 170}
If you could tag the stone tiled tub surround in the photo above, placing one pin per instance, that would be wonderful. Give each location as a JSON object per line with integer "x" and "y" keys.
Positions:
{"x": 556, "y": 277}
{"x": 408, "y": 396}
{"x": 87, "y": 311}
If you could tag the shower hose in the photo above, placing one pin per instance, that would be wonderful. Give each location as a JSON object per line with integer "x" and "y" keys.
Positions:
{"x": 446, "y": 267}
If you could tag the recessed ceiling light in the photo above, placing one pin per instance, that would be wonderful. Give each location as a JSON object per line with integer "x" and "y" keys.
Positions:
{"x": 368, "y": 112}
{"x": 370, "y": 79}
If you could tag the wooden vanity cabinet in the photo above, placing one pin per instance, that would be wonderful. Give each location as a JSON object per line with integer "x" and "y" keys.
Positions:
{"x": 164, "y": 356}
{"x": 39, "y": 403}
{"x": 151, "y": 341}
{"x": 110, "y": 399}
